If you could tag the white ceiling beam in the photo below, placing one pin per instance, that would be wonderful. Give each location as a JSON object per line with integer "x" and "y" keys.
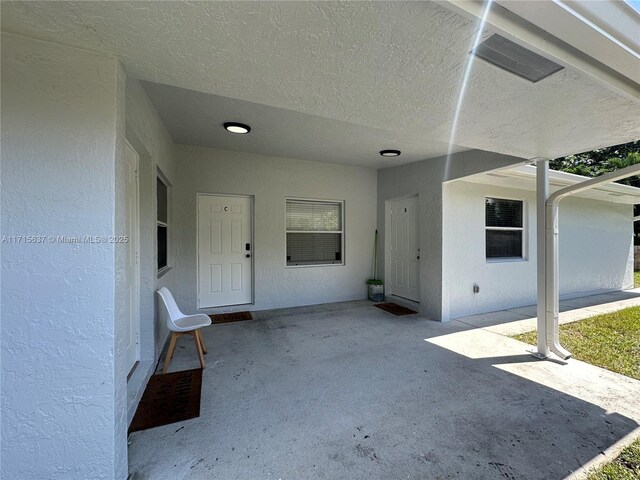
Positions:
{"x": 529, "y": 35}
{"x": 606, "y": 34}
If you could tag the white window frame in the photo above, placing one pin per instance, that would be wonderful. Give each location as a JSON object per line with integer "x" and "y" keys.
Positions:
{"x": 525, "y": 254}
{"x": 161, "y": 271}
{"x": 341, "y": 232}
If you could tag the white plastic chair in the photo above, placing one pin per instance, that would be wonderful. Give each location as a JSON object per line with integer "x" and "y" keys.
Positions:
{"x": 181, "y": 324}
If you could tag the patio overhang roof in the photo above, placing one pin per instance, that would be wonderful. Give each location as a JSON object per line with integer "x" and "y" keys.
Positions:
{"x": 339, "y": 81}
{"x": 599, "y": 39}
{"x": 524, "y": 177}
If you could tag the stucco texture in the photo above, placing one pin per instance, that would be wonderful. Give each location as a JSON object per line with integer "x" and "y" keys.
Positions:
{"x": 151, "y": 141}
{"x": 426, "y": 179}
{"x": 270, "y": 181}
{"x": 394, "y": 66}
{"x": 59, "y": 418}
{"x": 595, "y": 250}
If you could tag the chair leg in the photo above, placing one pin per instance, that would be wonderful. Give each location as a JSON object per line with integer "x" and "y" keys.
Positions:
{"x": 198, "y": 347}
{"x": 172, "y": 346}
{"x": 204, "y": 347}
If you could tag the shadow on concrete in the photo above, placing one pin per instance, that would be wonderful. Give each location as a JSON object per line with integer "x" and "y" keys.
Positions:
{"x": 355, "y": 393}
{"x": 569, "y": 304}
{"x": 521, "y": 358}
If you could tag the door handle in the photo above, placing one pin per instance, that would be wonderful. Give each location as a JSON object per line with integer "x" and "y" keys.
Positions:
{"x": 248, "y": 255}
{"x": 418, "y": 257}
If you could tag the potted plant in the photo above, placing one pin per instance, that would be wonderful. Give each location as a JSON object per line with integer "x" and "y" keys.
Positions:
{"x": 376, "y": 286}
{"x": 376, "y": 290}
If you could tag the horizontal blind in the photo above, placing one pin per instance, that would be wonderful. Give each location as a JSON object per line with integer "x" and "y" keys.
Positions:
{"x": 314, "y": 248}
{"x": 310, "y": 216}
{"x": 314, "y": 232}
{"x": 504, "y": 243}
{"x": 503, "y": 213}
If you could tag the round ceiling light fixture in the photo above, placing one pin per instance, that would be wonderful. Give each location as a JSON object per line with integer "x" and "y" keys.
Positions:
{"x": 390, "y": 153}
{"x": 235, "y": 127}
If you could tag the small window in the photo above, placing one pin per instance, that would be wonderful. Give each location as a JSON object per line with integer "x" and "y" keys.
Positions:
{"x": 163, "y": 223}
{"x": 315, "y": 232}
{"x": 504, "y": 231}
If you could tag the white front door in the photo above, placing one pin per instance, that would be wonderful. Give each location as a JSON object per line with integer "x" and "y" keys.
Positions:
{"x": 405, "y": 250}
{"x": 224, "y": 250}
{"x": 132, "y": 295}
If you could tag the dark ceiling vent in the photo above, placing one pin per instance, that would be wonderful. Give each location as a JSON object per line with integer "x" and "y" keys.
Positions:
{"x": 513, "y": 58}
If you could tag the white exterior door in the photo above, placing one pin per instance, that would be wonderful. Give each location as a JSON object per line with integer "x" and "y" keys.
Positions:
{"x": 132, "y": 296}
{"x": 224, "y": 251}
{"x": 405, "y": 250}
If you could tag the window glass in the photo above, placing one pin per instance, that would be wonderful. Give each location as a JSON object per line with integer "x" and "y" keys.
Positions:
{"x": 162, "y": 202}
{"x": 503, "y": 213}
{"x": 504, "y": 243}
{"x": 162, "y": 246}
{"x": 504, "y": 232}
{"x": 314, "y": 232}
{"x": 162, "y": 223}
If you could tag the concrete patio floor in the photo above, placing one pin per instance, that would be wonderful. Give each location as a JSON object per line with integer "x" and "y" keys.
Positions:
{"x": 519, "y": 320}
{"x": 348, "y": 391}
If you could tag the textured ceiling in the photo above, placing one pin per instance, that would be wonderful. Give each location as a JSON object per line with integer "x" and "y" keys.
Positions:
{"x": 196, "y": 118}
{"x": 385, "y": 70}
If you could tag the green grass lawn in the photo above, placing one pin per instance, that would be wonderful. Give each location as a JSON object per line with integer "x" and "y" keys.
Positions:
{"x": 610, "y": 341}
{"x": 636, "y": 278}
{"x": 625, "y": 467}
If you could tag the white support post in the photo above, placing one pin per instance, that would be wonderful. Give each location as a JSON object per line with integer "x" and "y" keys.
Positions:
{"x": 552, "y": 280}
{"x": 542, "y": 193}
{"x": 548, "y": 256}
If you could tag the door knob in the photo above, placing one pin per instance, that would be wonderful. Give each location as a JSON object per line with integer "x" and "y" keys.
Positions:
{"x": 248, "y": 255}
{"x": 418, "y": 257}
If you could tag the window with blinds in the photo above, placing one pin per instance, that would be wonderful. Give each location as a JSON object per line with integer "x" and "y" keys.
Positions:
{"x": 315, "y": 232}
{"x": 162, "y": 223}
{"x": 504, "y": 228}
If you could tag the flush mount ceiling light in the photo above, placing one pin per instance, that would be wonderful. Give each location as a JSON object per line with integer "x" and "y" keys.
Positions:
{"x": 389, "y": 153}
{"x": 516, "y": 59}
{"x": 235, "y": 127}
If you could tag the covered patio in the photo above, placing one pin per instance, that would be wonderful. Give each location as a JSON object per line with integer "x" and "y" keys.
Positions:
{"x": 346, "y": 390}
{"x": 248, "y": 156}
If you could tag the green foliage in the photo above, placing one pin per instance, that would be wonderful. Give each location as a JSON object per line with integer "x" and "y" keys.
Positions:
{"x": 625, "y": 467}
{"x": 601, "y": 161}
{"x": 610, "y": 341}
{"x": 630, "y": 456}
{"x": 613, "y": 471}
{"x": 374, "y": 281}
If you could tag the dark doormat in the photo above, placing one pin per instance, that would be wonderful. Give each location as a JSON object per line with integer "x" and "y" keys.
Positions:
{"x": 394, "y": 308}
{"x": 230, "y": 317}
{"x": 169, "y": 398}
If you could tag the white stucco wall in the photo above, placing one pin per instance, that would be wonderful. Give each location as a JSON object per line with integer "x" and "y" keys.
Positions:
{"x": 59, "y": 150}
{"x": 595, "y": 250}
{"x": 148, "y": 136}
{"x": 425, "y": 178}
{"x": 270, "y": 180}
{"x": 121, "y": 319}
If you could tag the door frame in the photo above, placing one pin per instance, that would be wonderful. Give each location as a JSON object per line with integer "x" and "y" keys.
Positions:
{"x": 387, "y": 242}
{"x": 137, "y": 278}
{"x": 253, "y": 245}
